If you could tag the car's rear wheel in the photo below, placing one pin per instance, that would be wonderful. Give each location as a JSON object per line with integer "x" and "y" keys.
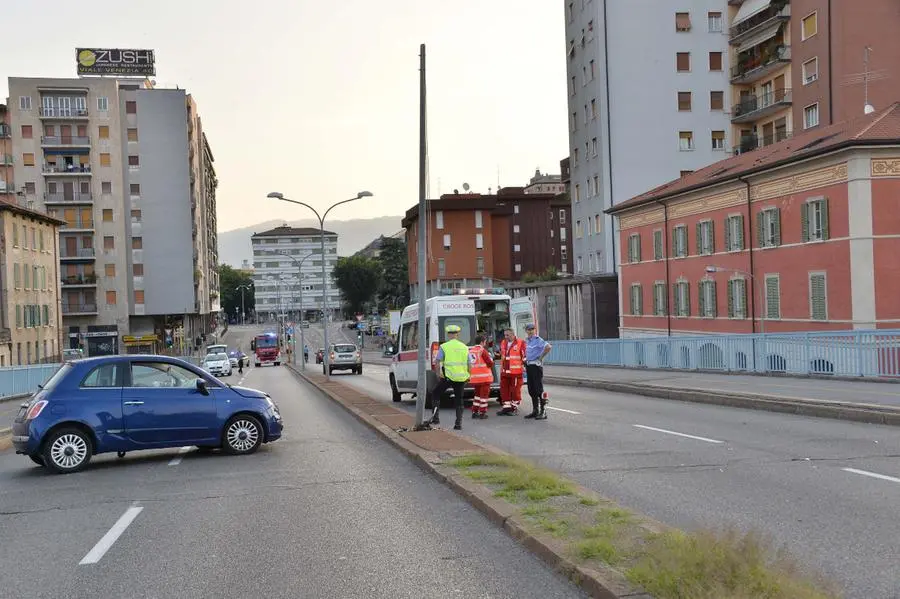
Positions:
{"x": 67, "y": 450}
{"x": 243, "y": 435}
{"x": 395, "y": 393}
{"x": 37, "y": 459}
{"x": 359, "y": 370}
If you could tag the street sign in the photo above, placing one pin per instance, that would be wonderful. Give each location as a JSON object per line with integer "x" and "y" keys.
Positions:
{"x": 360, "y": 326}
{"x": 290, "y": 330}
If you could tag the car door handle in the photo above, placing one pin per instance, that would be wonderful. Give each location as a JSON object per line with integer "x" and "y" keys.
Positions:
{"x": 134, "y": 403}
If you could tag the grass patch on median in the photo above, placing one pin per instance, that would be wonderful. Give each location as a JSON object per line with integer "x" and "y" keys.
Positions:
{"x": 668, "y": 565}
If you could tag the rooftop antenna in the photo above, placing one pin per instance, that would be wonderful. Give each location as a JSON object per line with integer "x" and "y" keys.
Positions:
{"x": 868, "y": 109}
{"x": 866, "y": 77}
{"x": 466, "y": 187}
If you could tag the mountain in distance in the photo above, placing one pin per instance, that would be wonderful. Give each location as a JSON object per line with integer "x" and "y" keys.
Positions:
{"x": 353, "y": 235}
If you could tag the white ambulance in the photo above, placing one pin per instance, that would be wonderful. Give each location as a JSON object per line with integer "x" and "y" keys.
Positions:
{"x": 486, "y": 312}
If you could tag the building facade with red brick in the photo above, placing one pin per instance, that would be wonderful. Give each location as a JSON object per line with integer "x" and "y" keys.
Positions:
{"x": 477, "y": 240}
{"x": 802, "y": 235}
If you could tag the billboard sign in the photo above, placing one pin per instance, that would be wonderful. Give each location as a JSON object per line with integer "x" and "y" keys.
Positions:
{"x": 114, "y": 61}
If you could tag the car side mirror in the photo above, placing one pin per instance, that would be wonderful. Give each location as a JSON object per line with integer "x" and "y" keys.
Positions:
{"x": 201, "y": 387}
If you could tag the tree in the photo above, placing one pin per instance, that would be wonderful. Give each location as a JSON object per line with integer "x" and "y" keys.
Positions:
{"x": 358, "y": 278}
{"x": 550, "y": 274}
{"x": 229, "y": 281}
{"x": 394, "y": 262}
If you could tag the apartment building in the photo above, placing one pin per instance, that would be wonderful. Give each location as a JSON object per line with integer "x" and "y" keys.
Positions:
{"x": 802, "y": 235}
{"x": 128, "y": 169}
{"x": 647, "y": 88}
{"x": 545, "y": 183}
{"x": 801, "y": 64}
{"x": 29, "y": 266}
{"x": 477, "y": 240}
{"x": 286, "y": 259}
{"x": 7, "y": 186}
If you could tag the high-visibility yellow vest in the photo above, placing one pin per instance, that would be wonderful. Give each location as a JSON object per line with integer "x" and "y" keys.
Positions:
{"x": 456, "y": 360}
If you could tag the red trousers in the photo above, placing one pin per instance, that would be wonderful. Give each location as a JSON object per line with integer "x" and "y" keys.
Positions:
{"x": 482, "y": 395}
{"x": 510, "y": 390}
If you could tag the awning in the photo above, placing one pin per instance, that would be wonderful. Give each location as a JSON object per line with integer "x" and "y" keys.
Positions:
{"x": 748, "y": 9}
{"x": 763, "y": 36}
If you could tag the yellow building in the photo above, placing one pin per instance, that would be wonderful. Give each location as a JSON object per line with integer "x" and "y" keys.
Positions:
{"x": 29, "y": 263}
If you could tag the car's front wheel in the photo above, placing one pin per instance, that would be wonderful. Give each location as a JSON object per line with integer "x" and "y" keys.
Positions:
{"x": 67, "y": 450}
{"x": 243, "y": 435}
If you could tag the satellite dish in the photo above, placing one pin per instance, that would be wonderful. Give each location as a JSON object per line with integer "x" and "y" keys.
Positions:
{"x": 869, "y": 109}
{"x": 465, "y": 187}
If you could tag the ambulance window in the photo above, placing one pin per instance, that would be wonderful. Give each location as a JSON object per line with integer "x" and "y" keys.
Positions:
{"x": 466, "y": 326}
{"x": 409, "y": 336}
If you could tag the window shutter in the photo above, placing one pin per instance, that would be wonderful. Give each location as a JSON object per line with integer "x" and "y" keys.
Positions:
{"x": 714, "y": 308}
{"x": 630, "y": 253}
{"x": 776, "y": 214}
{"x": 728, "y": 222}
{"x": 687, "y": 299}
{"x": 631, "y": 299}
{"x": 640, "y": 306}
{"x": 772, "y": 299}
{"x": 701, "y": 298}
{"x": 712, "y": 236}
{"x": 745, "y": 312}
{"x": 825, "y": 232}
{"x": 740, "y": 231}
{"x": 761, "y": 228}
{"x": 804, "y": 221}
{"x": 675, "y": 241}
{"x": 699, "y": 238}
{"x": 818, "y": 302}
{"x": 657, "y": 245}
{"x": 656, "y": 299}
{"x": 731, "y": 290}
{"x": 637, "y": 248}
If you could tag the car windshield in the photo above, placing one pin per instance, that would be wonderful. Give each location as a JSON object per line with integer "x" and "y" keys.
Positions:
{"x": 216, "y": 358}
{"x": 345, "y": 348}
{"x": 267, "y": 341}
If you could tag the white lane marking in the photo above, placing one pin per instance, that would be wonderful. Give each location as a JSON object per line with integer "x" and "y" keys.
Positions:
{"x": 662, "y": 430}
{"x": 872, "y": 474}
{"x": 103, "y": 545}
{"x": 177, "y": 459}
{"x": 562, "y": 410}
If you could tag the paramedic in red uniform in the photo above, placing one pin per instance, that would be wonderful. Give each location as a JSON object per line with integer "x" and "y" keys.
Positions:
{"x": 512, "y": 354}
{"x": 481, "y": 375}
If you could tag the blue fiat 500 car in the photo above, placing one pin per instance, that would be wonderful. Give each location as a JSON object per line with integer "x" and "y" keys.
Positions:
{"x": 127, "y": 403}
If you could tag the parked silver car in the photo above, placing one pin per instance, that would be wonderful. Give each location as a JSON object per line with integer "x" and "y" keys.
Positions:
{"x": 345, "y": 356}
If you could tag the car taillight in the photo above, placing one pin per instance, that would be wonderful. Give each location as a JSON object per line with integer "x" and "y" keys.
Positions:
{"x": 35, "y": 410}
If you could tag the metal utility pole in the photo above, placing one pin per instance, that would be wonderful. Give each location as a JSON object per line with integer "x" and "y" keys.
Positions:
{"x": 421, "y": 387}
{"x": 243, "y": 312}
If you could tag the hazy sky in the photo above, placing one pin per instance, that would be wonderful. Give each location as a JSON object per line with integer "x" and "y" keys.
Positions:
{"x": 320, "y": 99}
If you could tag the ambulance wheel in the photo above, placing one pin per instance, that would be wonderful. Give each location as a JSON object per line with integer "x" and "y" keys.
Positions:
{"x": 395, "y": 393}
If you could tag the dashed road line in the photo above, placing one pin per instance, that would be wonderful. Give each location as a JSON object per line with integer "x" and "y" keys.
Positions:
{"x": 177, "y": 459}
{"x": 662, "y": 430}
{"x": 872, "y": 475}
{"x": 112, "y": 535}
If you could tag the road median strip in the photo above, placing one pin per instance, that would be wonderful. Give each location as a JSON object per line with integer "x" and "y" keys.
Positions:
{"x": 820, "y": 408}
{"x": 608, "y": 551}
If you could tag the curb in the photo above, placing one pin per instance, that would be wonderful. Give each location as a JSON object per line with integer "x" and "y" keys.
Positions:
{"x": 855, "y": 412}
{"x": 602, "y": 583}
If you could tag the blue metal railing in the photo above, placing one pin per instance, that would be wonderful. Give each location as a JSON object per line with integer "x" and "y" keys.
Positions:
{"x": 870, "y": 353}
{"x": 19, "y": 380}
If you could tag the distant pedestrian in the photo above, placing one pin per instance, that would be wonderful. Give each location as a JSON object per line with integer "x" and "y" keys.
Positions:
{"x": 453, "y": 372}
{"x": 305, "y": 353}
{"x": 512, "y": 355}
{"x": 240, "y": 363}
{"x": 536, "y": 349}
{"x": 481, "y": 375}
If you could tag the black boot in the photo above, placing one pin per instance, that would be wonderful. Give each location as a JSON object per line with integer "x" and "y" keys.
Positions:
{"x": 457, "y": 426}
{"x": 543, "y": 414}
{"x": 532, "y": 415}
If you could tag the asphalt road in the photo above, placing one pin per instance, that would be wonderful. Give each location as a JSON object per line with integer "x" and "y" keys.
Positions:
{"x": 330, "y": 510}
{"x": 828, "y": 490}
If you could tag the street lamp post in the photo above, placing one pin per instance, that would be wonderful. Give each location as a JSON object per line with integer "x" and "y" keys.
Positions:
{"x": 299, "y": 264}
{"x": 241, "y": 288}
{"x": 280, "y": 196}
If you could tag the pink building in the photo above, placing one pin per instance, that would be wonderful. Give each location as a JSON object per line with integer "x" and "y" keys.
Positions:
{"x": 802, "y": 235}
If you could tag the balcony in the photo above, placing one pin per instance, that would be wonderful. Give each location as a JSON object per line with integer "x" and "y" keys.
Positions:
{"x": 5, "y": 131}
{"x": 82, "y": 224}
{"x": 80, "y": 280}
{"x": 758, "y": 24}
{"x": 76, "y": 254}
{"x": 65, "y": 141}
{"x": 48, "y": 113}
{"x": 770, "y": 58}
{"x": 754, "y": 142}
{"x": 757, "y": 107}
{"x": 76, "y": 309}
{"x": 6, "y": 159}
{"x": 70, "y": 198}
{"x": 7, "y": 187}
{"x": 65, "y": 169}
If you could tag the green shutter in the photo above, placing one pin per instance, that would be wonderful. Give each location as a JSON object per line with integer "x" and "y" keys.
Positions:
{"x": 630, "y": 254}
{"x": 675, "y": 242}
{"x": 701, "y": 299}
{"x": 640, "y": 294}
{"x": 699, "y": 228}
{"x": 657, "y": 245}
{"x": 740, "y": 231}
{"x": 715, "y": 303}
{"x": 631, "y": 300}
{"x": 728, "y": 233}
{"x": 804, "y": 221}
{"x": 776, "y": 214}
{"x": 731, "y": 311}
{"x": 712, "y": 237}
{"x": 825, "y": 231}
{"x": 637, "y": 247}
{"x": 818, "y": 301}
{"x": 655, "y": 299}
{"x": 760, "y": 229}
{"x": 687, "y": 299}
{"x": 773, "y": 298}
